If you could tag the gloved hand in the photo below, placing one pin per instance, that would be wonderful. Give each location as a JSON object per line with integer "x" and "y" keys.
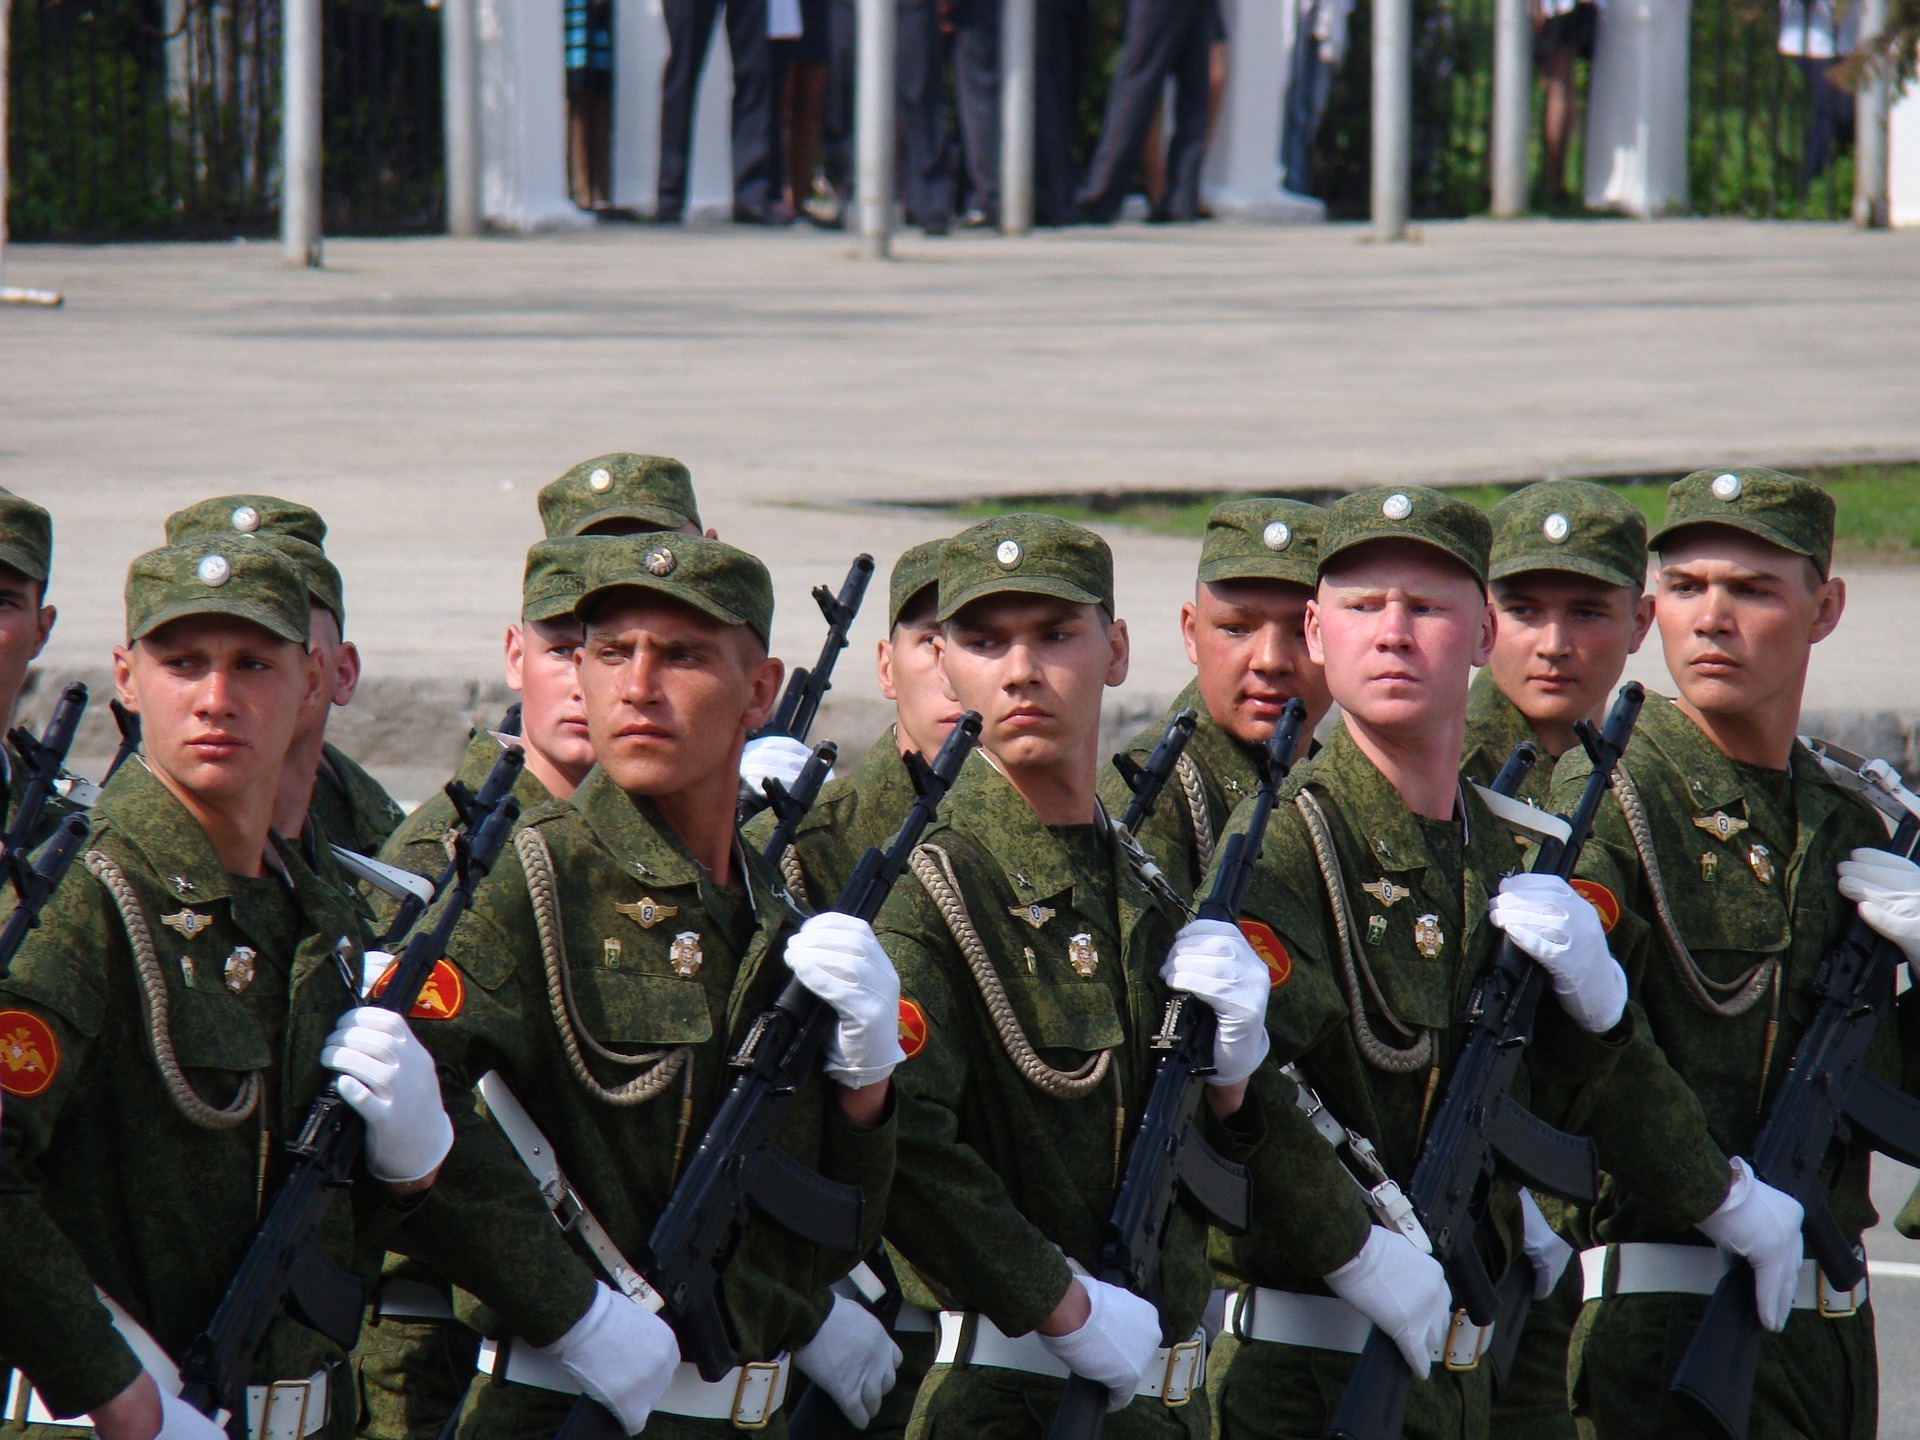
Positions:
{"x": 1403, "y": 1292}
{"x": 1211, "y": 959}
{"x": 1762, "y": 1226}
{"x": 1545, "y": 1250}
{"x": 773, "y": 757}
{"x": 373, "y": 964}
{"x": 853, "y": 1359}
{"x": 1546, "y": 918}
{"x": 387, "y": 1076}
{"x": 180, "y": 1421}
{"x": 1115, "y": 1344}
{"x": 1886, "y": 887}
{"x": 840, "y": 959}
{"x": 621, "y": 1355}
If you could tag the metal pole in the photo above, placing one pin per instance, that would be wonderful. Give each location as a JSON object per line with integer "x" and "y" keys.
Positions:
{"x": 1016, "y": 116}
{"x": 11, "y": 295}
{"x": 1512, "y": 106}
{"x": 873, "y": 125}
{"x": 460, "y": 114}
{"x": 1871, "y": 108}
{"x": 1392, "y": 115}
{"x": 300, "y": 132}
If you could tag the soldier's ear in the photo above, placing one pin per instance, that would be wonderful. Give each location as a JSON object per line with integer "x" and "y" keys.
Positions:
{"x": 1830, "y": 602}
{"x": 1121, "y": 653}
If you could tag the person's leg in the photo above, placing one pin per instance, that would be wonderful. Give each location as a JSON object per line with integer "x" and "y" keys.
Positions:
{"x": 807, "y": 88}
{"x": 755, "y": 188}
{"x": 836, "y": 130}
{"x": 1556, "y": 75}
{"x": 1157, "y": 32}
{"x": 922, "y": 104}
{"x": 689, "y": 28}
{"x": 1060, "y": 34}
{"x": 579, "y": 165}
{"x": 976, "y": 84}
{"x": 1187, "y": 151}
{"x": 600, "y": 145}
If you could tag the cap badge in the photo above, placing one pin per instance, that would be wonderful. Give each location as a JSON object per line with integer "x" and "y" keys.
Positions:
{"x": 1396, "y": 507}
{"x": 1008, "y": 554}
{"x": 246, "y": 519}
{"x": 600, "y": 480}
{"x": 648, "y": 913}
{"x": 1277, "y": 536}
{"x": 1720, "y": 825}
{"x": 685, "y": 956}
{"x": 1082, "y": 956}
{"x": 188, "y": 922}
{"x": 1726, "y": 487}
{"x": 1556, "y": 528}
{"x": 214, "y": 571}
{"x": 1427, "y": 938}
{"x": 1386, "y": 892}
{"x": 240, "y": 967}
{"x": 660, "y": 561}
{"x": 1035, "y": 914}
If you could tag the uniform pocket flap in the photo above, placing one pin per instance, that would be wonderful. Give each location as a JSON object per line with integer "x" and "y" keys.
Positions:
{"x": 1082, "y": 1018}
{"x": 213, "y": 1031}
{"x": 630, "y": 1007}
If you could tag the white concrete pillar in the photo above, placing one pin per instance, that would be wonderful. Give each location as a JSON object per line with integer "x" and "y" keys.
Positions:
{"x": 1016, "y": 116}
{"x": 300, "y": 79}
{"x": 1241, "y": 177}
{"x": 1392, "y": 117}
{"x": 523, "y": 117}
{"x": 1903, "y": 157}
{"x": 874, "y": 125}
{"x": 460, "y": 114}
{"x": 1637, "y": 109}
{"x": 1512, "y": 106}
{"x": 1870, "y": 128}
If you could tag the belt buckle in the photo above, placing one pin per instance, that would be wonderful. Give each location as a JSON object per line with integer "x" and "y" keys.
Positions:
{"x": 1838, "y": 1304}
{"x": 1186, "y": 1363}
{"x": 753, "y": 1394}
{"x": 278, "y": 1391}
{"x": 1466, "y": 1342}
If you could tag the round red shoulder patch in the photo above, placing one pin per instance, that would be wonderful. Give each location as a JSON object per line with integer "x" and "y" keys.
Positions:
{"x": 913, "y": 1028}
{"x": 29, "y": 1054}
{"x": 1602, "y": 899}
{"x": 440, "y": 998}
{"x": 1267, "y": 946}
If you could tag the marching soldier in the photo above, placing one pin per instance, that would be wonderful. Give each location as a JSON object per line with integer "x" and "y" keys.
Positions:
{"x": 173, "y": 1017}
{"x": 1031, "y": 959}
{"x": 1381, "y": 890}
{"x": 610, "y": 966}
{"x": 1244, "y": 633}
{"x": 26, "y": 622}
{"x": 1716, "y": 868}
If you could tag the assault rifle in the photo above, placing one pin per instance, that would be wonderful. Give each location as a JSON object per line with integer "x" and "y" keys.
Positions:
{"x": 1147, "y": 781}
{"x": 739, "y": 1165}
{"x": 1827, "y": 1101}
{"x": 1170, "y": 1156}
{"x": 800, "y": 701}
{"x": 284, "y": 1263}
{"x": 790, "y": 807}
{"x": 1479, "y": 1128}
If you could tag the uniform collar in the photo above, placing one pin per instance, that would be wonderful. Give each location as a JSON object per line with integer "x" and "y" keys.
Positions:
{"x": 1396, "y": 838}
{"x": 631, "y": 828}
{"x": 1494, "y": 723}
{"x": 1713, "y": 780}
{"x": 150, "y": 818}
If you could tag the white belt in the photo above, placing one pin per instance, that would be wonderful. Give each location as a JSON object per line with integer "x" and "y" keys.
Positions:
{"x": 284, "y": 1410}
{"x": 404, "y": 1299}
{"x": 748, "y": 1395}
{"x": 1325, "y": 1322}
{"x": 1646, "y": 1268}
{"x": 1172, "y": 1377}
{"x": 915, "y": 1320}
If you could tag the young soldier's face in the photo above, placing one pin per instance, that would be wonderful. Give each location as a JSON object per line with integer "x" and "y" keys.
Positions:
{"x": 25, "y": 625}
{"x": 1739, "y": 619}
{"x": 553, "y": 713}
{"x": 220, "y": 700}
{"x": 1399, "y": 628}
{"x": 1249, "y": 640}
{"x": 1560, "y": 642}
{"x": 1036, "y": 669}
{"x": 671, "y": 693}
{"x": 909, "y": 666}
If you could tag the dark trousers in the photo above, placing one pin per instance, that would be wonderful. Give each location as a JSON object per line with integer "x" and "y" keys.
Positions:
{"x": 926, "y": 152}
{"x": 1163, "y": 38}
{"x": 1060, "y": 64}
{"x": 836, "y": 120}
{"x": 976, "y": 86}
{"x": 689, "y": 31}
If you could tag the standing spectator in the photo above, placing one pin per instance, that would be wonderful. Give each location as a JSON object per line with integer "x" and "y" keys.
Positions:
{"x": 589, "y": 40}
{"x": 756, "y": 196}
{"x": 968, "y": 31}
{"x": 836, "y": 122}
{"x": 1062, "y": 33}
{"x": 1814, "y": 37}
{"x": 803, "y": 98}
{"x": 1164, "y": 39}
{"x": 1153, "y": 161}
{"x": 1563, "y": 31}
{"x": 1319, "y": 50}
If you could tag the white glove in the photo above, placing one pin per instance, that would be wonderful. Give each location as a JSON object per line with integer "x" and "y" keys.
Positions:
{"x": 1402, "y": 1291}
{"x": 387, "y": 1076}
{"x": 1546, "y": 918}
{"x": 1545, "y": 1250}
{"x": 1762, "y": 1226}
{"x": 621, "y": 1354}
{"x": 1211, "y": 959}
{"x": 840, "y": 959}
{"x": 1886, "y": 887}
{"x": 853, "y": 1359}
{"x": 773, "y": 757}
{"x": 1116, "y": 1343}
{"x": 180, "y": 1421}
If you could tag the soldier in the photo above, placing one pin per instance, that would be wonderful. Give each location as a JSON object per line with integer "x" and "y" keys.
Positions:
{"x": 169, "y": 1023}
{"x": 26, "y": 622}
{"x": 1568, "y": 576}
{"x": 1031, "y": 960}
{"x": 345, "y": 804}
{"x": 1244, "y": 631}
{"x": 1716, "y": 869}
{"x": 1380, "y": 888}
{"x": 610, "y": 966}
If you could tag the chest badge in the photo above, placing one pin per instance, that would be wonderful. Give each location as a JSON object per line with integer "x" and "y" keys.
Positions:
{"x": 1082, "y": 956}
{"x": 1427, "y": 938}
{"x": 610, "y": 952}
{"x": 648, "y": 912}
{"x": 182, "y": 884}
{"x": 186, "y": 970}
{"x": 1376, "y": 929}
{"x": 1761, "y": 859}
{"x": 188, "y": 922}
{"x": 1720, "y": 825}
{"x": 1035, "y": 914}
{"x": 1709, "y": 865}
{"x": 685, "y": 956}
{"x": 1385, "y": 891}
{"x": 240, "y": 967}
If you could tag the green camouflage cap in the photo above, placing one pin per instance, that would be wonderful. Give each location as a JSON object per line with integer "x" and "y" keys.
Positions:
{"x": 296, "y": 531}
{"x": 651, "y": 489}
{"x": 26, "y": 537}
{"x": 914, "y": 571}
{"x": 1782, "y": 509}
{"x": 1263, "y": 538}
{"x": 1573, "y": 526}
{"x": 556, "y": 575}
{"x": 1408, "y": 512}
{"x": 1025, "y": 555}
{"x": 239, "y": 575}
{"x": 710, "y": 575}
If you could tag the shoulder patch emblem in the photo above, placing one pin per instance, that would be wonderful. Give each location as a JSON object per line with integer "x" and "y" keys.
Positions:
{"x": 1267, "y": 946}
{"x": 29, "y": 1054}
{"x": 1602, "y": 899}
{"x": 647, "y": 912}
{"x": 913, "y": 1028}
{"x": 188, "y": 922}
{"x": 441, "y": 998}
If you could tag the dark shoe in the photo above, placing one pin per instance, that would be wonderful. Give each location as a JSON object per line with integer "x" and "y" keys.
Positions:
{"x": 776, "y": 215}
{"x": 667, "y": 215}
{"x": 935, "y": 225}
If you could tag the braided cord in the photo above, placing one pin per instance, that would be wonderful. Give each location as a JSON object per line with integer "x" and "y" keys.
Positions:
{"x": 1196, "y": 794}
{"x": 795, "y": 877}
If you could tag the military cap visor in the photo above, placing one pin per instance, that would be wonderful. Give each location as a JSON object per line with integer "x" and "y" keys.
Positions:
{"x": 1413, "y": 513}
{"x": 26, "y": 537}
{"x": 1262, "y": 539}
{"x": 711, "y": 576}
{"x": 218, "y": 575}
{"x": 1784, "y": 510}
{"x": 1025, "y": 555}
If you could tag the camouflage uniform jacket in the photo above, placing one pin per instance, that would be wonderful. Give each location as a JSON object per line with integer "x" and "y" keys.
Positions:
{"x": 420, "y": 842}
{"x": 658, "y": 963}
{"x": 1765, "y": 888}
{"x": 350, "y": 808}
{"x": 104, "y": 1178}
{"x": 1494, "y": 727}
{"x": 997, "y": 1178}
{"x": 853, "y": 813}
